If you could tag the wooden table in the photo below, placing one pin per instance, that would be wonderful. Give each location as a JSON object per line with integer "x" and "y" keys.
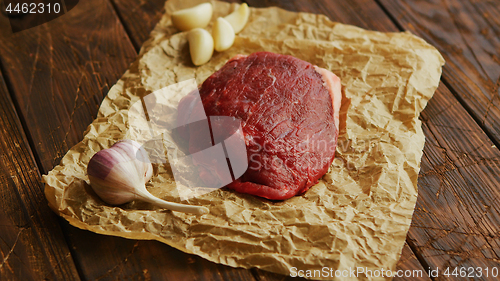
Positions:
{"x": 53, "y": 78}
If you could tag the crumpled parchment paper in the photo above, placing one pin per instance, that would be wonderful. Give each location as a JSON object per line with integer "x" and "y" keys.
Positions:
{"x": 356, "y": 216}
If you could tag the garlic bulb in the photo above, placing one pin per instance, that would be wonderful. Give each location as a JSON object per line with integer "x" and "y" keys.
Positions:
{"x": 119, "y": 175}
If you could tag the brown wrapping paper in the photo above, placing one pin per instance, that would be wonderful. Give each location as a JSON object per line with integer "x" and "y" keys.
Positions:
{"x": 356, "y": 217}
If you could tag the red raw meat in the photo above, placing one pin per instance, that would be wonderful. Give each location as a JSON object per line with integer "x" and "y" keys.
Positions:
{"x": 289, "y": 112}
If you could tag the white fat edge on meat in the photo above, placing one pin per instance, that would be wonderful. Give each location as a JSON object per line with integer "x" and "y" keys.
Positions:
{"x": 236, "y": 57}
{"x": 332, "y": 83}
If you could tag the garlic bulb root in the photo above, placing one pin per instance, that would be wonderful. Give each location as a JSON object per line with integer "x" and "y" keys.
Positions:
{"x": 147, "y": 197}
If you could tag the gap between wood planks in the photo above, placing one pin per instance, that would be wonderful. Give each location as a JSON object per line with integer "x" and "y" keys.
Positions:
{"x": 27, "y": 185}
{"x": 127, "y": 30}
{"x": 20, "y": 117}
{"x": 34, "y": 156}
{"x": 448, "y": 85}
{"x": 469, "y": 111}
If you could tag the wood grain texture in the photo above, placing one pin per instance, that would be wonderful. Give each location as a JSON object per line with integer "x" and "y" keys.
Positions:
{"x": 467, "y": 33}
{"x": 32, "y": 245}
{"x": 363, "y": 13}
{"x": 409, "y": 267}
{"x": 139, "y": 18}
{"x": 457, "y": 217}
{"x": 60, "y": 71}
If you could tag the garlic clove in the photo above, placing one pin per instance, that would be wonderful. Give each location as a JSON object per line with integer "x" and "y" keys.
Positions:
{"x": 223, "y": 35}
{"x": 118, "y": 175}
{"x": 197, "y": 16}
{"x": 201, "y": 46}
{"x": 239, "y": 18}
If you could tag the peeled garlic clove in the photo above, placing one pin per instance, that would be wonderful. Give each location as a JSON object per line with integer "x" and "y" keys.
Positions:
{"x": 223, "y": 35}
{"x": 238, "y": 19}
{"x": 118, "y": 175}
{"x": 197, "y": 16}
{"x": 201, "y": 46}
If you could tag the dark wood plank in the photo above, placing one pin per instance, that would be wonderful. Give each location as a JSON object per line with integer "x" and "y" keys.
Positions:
{"x": 409, "y": 267}
{"x": 139, "y": 18}
{"x": 467, "y": 33}
{"x": 60, "y": 71}
{"x": 262, "y": 275}
{"x": 363, "y": 13}
{"x": 32, "y": 245}
{"x": 457, "y": 216}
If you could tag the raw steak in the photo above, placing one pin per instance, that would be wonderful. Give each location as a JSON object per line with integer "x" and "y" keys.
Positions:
{"x": 289, "y": 112}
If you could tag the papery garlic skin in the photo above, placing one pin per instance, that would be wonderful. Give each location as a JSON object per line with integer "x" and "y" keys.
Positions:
{"x": 119, "y": 175}
{"x": 116, "y": 173}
